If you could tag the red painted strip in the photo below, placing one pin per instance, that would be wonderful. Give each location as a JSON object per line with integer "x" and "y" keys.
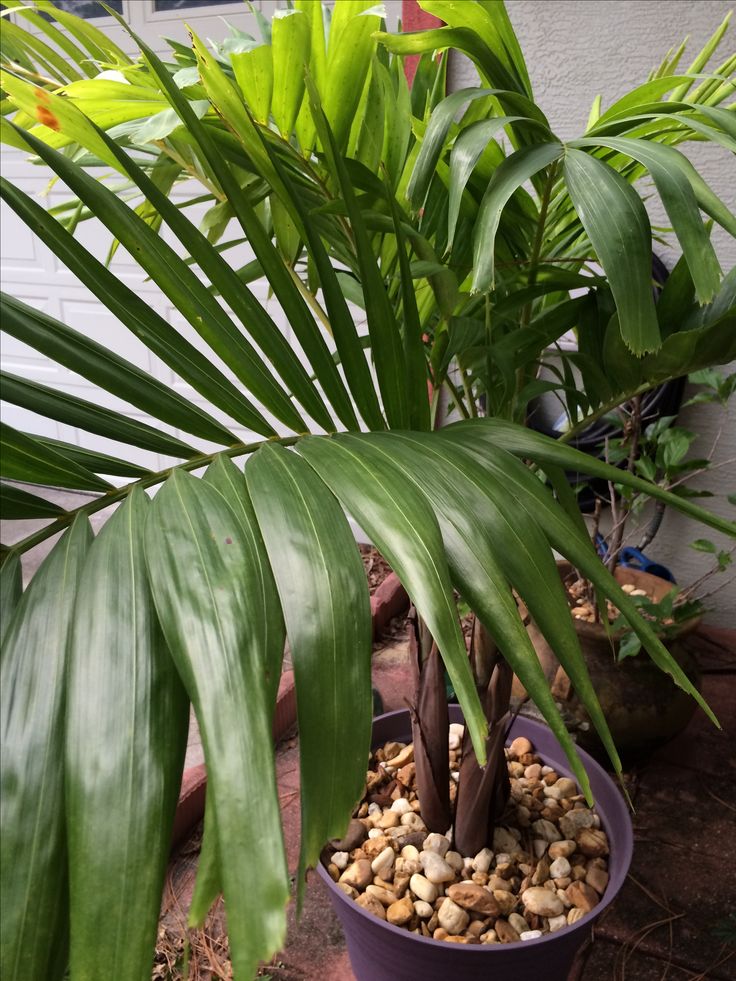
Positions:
{"x": 413, "y": 18}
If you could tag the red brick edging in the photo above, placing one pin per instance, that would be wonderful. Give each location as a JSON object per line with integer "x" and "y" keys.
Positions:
{"x": 388, "y": 601}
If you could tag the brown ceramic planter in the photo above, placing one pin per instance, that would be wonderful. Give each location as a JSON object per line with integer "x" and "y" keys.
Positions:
{"x": 643, "y": 706}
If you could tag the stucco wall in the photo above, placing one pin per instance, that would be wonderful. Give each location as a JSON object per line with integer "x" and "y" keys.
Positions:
{"x": 576, "y": 49}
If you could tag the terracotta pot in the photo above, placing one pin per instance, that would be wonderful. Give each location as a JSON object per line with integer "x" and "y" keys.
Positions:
{"x": 643, "y": 706}
{"x": 380, "y": 951}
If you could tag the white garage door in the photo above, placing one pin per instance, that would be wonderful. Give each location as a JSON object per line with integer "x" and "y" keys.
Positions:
{"x": 30, "y": 271}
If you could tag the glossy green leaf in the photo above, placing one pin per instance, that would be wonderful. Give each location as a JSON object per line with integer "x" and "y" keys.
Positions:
{"x": 254, "y": 74}
{"x": 616, "y": 222}
{"x": 508, "y": 178}
{"x": 490, "y": 21}
{"x": 564, "y": 536}
{"x": 95, "y": 462}
{"x": 416, "y": 365}
{"x": 225, "y": 97}
{"x": 330, "y": 645}
{"x": 290, "y": 40}
{"x": 11, "y": 581}
{"x": 401, "y": 524}
{"x": 461, "y": 502}
{"x": 261, "y": 327}
{"x": 433, "y": 141}
{"x": 208, "y": 883}
{"x": 120, "y": 793}
{"x": 347, "y": 340}
{"x": 525, "y": 443}
{"x": 280, "y": 278}
{"x": 99, "y": 365}
{"x": 367, "y": 133}
{"x": 460, "y": 38}
{"x": 207, "y": 589}
{"x": 16, "y": 503}
{"x": 228, "y": 480}
{"x": 350, "y": 49}
{"x": 466, "y": 153}
{"x": 304, "y": 127}
{"x": 98, "y": 44}
{"x": 25, "y": 458}
{"x": 184, "y": 289}
{"x": 55, "y": 113}
{"x": 60, "y": 39}
{"x": 680, "y": 203}
{"x": 39, "y": 50}
{"x": 72, "y": 411}
{"x": 382, "y": 327}
{"x": 33, "y": 888}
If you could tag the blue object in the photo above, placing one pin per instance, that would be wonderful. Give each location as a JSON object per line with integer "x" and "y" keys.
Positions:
{"x": 632, "y": 558}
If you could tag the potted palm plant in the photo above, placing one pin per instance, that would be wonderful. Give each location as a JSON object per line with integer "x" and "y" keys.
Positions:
{"x": 187, "y": 598}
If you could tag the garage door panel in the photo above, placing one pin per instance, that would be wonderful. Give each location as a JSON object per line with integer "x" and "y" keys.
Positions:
{"x": 91, "y": 319}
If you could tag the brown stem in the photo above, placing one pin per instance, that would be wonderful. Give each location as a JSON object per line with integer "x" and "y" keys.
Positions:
{"x": 634, "y": 427}
{"x": 483, "y": 793}
{"x": 430, "y": 722}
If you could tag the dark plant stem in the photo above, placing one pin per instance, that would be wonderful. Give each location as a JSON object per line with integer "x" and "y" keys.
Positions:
{"x": 483, "y": 793}
{"x": 430, "y": 722}
{"x": 653, "y": 526}
{"x": 634, "y": 427}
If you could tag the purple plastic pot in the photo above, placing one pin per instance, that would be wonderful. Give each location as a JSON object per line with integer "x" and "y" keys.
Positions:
{"x": 380, "y": 951}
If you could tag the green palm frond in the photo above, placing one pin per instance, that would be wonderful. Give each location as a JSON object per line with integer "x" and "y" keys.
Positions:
{"x": 186, "y": 599}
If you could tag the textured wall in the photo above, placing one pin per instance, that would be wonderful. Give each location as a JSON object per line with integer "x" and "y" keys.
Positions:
{"x": 575, "y": 50}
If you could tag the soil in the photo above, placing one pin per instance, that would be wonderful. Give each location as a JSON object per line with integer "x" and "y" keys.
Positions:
{"x": 376, "y": 567}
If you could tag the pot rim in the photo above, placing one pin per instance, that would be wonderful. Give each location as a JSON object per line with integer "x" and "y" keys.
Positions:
{"x": 623, "y": 574}
{"x": 622, "y": 847}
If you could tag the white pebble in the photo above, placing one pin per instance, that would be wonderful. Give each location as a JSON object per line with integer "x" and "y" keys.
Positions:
{"x": 545, "y": 829}
{"x": 452, "y": 917}
{"x": 341, "y": 860}
{"x": 454, "y": 860}
{"x": 412, "y": 821}
{"x": 375, "y": 833}
{"x": 423, "y": 910}
{"x": 436, "y": 843}
{"x": 454, "y": 742}
{"x": 530, "y": 934}
{"x": 546, "y": 770}
{"x": 436, "y": 868}
{"x": 383, "y": 862}
{"x": 540, "y": 847}
{"x": 401, "y": 806}
{"x": 374, "y": 809}
{"x": 541, "y": 901}
{"x": 482, "y": 861}
{"x": 457, "y": 729}
{"x": 517, "y": 921}
{"x": 557, "y": 923}
{"x": 410, "y": 852}
{"x": 423, "y": 889}
{"x": 559, "y": 868}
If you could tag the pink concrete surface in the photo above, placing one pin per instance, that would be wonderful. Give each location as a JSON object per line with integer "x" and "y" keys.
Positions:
{"x": 413, "y": 18}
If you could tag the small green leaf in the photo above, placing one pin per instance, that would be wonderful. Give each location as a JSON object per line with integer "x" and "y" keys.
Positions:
{"x": 703, "y": 545}
{"x": 629, "y": 646}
